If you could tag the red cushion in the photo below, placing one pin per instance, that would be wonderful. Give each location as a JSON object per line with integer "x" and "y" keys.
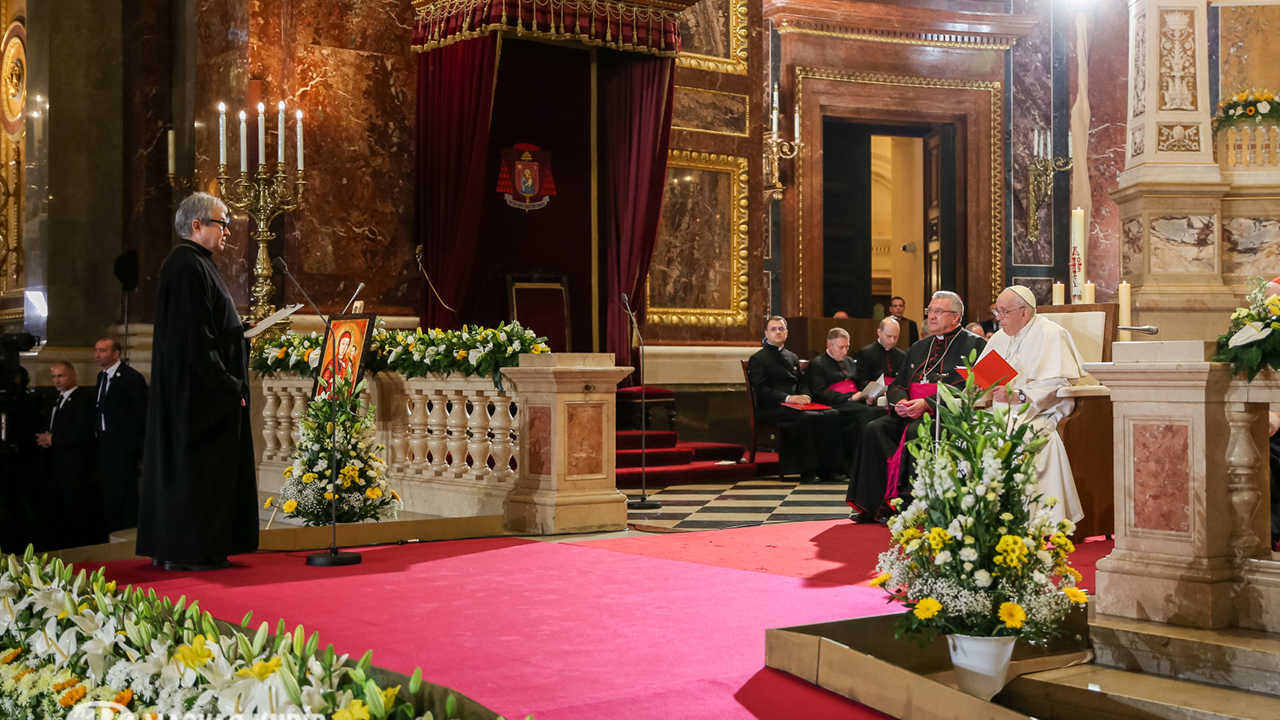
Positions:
{"x": 645, "y": 392}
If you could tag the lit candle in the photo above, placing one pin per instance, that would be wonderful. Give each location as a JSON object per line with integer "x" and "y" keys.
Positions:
{"x": 222, "y": 133}
{"x": 262, "y": 134}
{"x": 1126, "y": 316}
{"x": 173, "y": 160}
{"x": 1077, "y": 254}
{"x": 299, "y": 116}
{"x": 280, "y": 136}
{"x": 796, "y": 118}
{"x": 775, "y": 109}
{"x": 1059, "y": 294}
{"x": 1088, "y": 294}
{"x": 244, "y": 143}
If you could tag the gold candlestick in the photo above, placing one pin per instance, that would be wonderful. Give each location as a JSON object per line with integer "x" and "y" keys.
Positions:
{"x": 1040, "y": 188}
{"x": 776, "y": 149}
{"x": 262, "y": 197}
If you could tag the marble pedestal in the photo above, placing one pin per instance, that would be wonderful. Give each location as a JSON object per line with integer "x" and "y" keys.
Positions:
{"x": 567, "y": 481}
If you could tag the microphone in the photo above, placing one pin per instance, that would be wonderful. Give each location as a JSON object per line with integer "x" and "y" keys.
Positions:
{"x": 353, "y": 298}
{"x": 279, "y": 264}
{"x": 625, "y": 304}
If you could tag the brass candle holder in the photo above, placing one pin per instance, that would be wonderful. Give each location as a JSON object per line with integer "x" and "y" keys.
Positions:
{"x": 262, "y": 196}
{"x": 1040, "y": 186}
{"x": 775, "y": 150}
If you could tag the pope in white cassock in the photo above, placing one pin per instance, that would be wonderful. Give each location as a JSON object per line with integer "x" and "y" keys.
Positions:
{"x": 1046, "y": 359}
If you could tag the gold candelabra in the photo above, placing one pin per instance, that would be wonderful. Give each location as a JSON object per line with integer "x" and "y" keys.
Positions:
{"x": 262, "y": 196}
{"x": 1040, "y": 175}
{"x": 776, "y": 149}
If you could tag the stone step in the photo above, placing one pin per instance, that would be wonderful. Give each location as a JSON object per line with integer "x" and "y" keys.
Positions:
{"x": 1101, "y": 693}
{"x": 1230, "y": 657}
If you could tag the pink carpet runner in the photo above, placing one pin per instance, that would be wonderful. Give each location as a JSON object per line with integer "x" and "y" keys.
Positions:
{"x": 665, "y": 626}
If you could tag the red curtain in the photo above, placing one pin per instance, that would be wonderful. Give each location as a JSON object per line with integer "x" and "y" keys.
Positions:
{"x": 635, "y": 102}
{"x": 455, "y": 98}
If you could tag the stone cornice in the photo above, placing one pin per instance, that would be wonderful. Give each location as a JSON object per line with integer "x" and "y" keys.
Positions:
{"x": 872, "y": 22}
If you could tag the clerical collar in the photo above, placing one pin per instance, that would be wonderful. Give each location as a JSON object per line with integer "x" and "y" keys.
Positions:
{"x": 206, "y": 252}
{"x": 948, "y": 336}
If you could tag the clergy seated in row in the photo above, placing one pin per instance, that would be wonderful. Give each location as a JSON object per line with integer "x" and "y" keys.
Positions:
{"x": 832, "y": 380}
{"x": 882, "y": 466}
{"x": 810, "y": 442}
{"x": 881, "y": 358}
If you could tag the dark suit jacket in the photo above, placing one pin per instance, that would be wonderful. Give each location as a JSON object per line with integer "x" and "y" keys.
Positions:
{"x": 124, "y": 410}
{"x": 957, "y": 355}
{"x": 913, "y": 330}
{"x": 70, "y": 457}
{"x": 874, "y": 361}
{"x": 824, "y": 372}
{"x": 990, "y": 325}
{"x": 774, "y": 375}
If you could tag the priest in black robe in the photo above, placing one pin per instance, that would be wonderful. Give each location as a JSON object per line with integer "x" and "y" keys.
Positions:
{"x": 882, "y": 357}
{"x": 932, "y": 360}
{"x": 199, "y": 496}
{"x": 832, "y": 381}
{"x": 809, "y": 441}
{"x": 897, "y": 310}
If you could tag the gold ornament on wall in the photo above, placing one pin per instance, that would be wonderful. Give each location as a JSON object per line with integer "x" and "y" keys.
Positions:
{"x": 14, "y": 79}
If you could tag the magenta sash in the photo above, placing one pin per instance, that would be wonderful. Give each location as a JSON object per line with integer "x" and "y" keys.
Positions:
{"x": 915, "y": 392}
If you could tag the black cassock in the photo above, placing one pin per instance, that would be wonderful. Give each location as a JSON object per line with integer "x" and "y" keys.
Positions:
{"x": 933, "y": 359}
{"x": 824, "y": 372}
{"x": 874, "y": 361}
{"x": 808, "y": 440}
{"x": 199, "y": 497}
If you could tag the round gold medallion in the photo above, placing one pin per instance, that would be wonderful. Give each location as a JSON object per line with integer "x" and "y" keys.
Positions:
{"x": 13, "y": 79}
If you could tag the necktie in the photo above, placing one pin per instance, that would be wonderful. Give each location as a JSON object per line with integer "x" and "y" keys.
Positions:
{"x": 103, "y": 382}
{"x": 56, "y": 407}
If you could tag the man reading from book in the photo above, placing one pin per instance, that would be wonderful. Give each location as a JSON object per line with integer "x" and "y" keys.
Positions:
{"x": 808, "y": 440}
{"x": 832, "y": 377}
{"x": 882, "y": 358}
{"x": 1046, "y": 359}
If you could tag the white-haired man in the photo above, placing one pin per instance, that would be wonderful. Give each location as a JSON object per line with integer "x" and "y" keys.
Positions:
{"x": 882, "y": 466}
{"x": 1046, "y": 359}
{"x": 199, "y": 481}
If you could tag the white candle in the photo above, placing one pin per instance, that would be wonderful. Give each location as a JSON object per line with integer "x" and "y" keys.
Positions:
{"x": 1070, "y": 144}
{"x": 262, "y": 134}
{"x": 299, "y": 116}
{"x": 1089, "y": 295}
{"x": 1077, "y": 253}
{"x": 222, "y": 133}
{"x": 796, "y": 119}
{"x": 173, "y": 160}
{"x": 280, "y": 135}
{"x": 1059, "y": 294}
{"x": 1126, "y": 315}
{"x": 1036, "y": 141}
{"x": 244, "y": 142}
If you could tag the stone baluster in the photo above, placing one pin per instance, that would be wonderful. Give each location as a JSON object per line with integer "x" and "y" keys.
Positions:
{"x": 269, "y": 421}
{"x": 437, "y": 432}
{"x": 500, "y": 428}
{"x": 399, "y": 445}
{"x": 1242, "y": 470}
{"x": 1237, "y": 146}
{"x": 418, "y": 438}
{"x": 301, "y": 397}
{"x": 284, "y": 423}
{"x": 456, "y": 425}
{"x": 478, "y": 435}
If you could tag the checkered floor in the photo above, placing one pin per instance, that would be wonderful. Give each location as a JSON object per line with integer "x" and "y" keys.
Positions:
{"x": 751, "y": 502}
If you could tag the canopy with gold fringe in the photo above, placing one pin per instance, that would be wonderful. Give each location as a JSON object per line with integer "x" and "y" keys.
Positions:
{"x": 646, "y": 26}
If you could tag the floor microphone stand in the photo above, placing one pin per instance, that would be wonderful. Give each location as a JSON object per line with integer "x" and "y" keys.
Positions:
{"x": 644, "y": 503}
{"x": 331, "y": 557}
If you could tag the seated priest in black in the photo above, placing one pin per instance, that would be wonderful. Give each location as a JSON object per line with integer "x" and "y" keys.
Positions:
{"x": 809, "y": 441}
{"x": 881, "y": 357}
{"x": 832, "y": 379}
{"x": 882, "y": 466}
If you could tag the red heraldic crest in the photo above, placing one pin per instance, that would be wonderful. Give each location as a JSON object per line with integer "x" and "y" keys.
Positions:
{"x": 524, "y": 177}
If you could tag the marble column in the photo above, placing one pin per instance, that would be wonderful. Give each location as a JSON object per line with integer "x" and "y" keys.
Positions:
{"x": 1170, "y": 192}
{"x": 566, "y": 471}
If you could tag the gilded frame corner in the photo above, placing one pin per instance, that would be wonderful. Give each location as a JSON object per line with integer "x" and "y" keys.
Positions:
{"x": 736, "y": 63}
{"x": 736, "y": 314}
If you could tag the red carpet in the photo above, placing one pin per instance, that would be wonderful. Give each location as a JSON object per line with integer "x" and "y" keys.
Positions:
{"x": 829, "y": 551}
{"x": 559, "y": 630}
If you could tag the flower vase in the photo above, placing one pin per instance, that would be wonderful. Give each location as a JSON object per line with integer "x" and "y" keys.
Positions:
{"x": 981, "y": 663}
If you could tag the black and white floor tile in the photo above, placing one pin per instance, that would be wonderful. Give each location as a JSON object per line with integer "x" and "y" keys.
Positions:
{"x": 751, "y": 502}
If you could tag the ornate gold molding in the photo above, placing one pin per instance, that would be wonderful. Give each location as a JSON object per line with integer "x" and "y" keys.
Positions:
{"x": 996, "y": 93}
{"x": 736, "y": 63}
{"x": 896, "y": 37}
{"x": 736, "y": 314}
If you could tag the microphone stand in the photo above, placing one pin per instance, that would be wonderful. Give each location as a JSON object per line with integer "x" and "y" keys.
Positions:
{"x": 331, "y": 557}
{"x": 644, "y": 503}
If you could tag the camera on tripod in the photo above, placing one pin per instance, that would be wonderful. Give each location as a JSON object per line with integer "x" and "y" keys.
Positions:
{"x": 11, "y": 345}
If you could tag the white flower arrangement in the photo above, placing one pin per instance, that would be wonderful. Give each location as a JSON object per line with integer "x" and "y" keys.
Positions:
{"x": 976, "y": 552}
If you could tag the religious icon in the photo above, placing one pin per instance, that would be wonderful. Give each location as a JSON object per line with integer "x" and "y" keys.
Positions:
{"x": 342, "y": 362}
{"x": 526, "y": 172}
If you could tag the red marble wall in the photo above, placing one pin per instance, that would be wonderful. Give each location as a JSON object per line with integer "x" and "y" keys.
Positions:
{"x": 347, "y": 65}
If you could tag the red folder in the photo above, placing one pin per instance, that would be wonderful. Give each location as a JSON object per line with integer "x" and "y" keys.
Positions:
{"x": 808, "y": 406}
{"x": 991, "y": 370}
{"x": 844, "y": 386}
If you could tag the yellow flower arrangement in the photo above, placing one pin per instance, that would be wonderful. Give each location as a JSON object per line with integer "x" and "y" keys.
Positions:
{"x": 879, "y": 580}
{"x": 1076, "y": 595}
{"x": 72, "y": 696}
{"x": 267, "y": 505}
{"x": 123, "y": 698}
{"x": 1012, "y": 615}
{"x": 69, "y": 682}
{"x": 195, "y": 655}
{"x": 289, "y": 506}
{"x": 10, "y": 656}
{"x": 357, "y": 710}
{"x": 261, "y": 670}
{"x": 927, "y": 608}
{"x": 373, "y": 493}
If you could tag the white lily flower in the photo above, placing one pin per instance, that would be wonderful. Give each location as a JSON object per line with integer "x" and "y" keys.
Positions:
{"x": 1250, "y": 333}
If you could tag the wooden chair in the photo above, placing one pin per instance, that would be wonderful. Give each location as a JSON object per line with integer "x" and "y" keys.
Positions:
{"x": 756, "y": 427}
{"x": 541, "y": 303}
{"x": 1086, "y": 432}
